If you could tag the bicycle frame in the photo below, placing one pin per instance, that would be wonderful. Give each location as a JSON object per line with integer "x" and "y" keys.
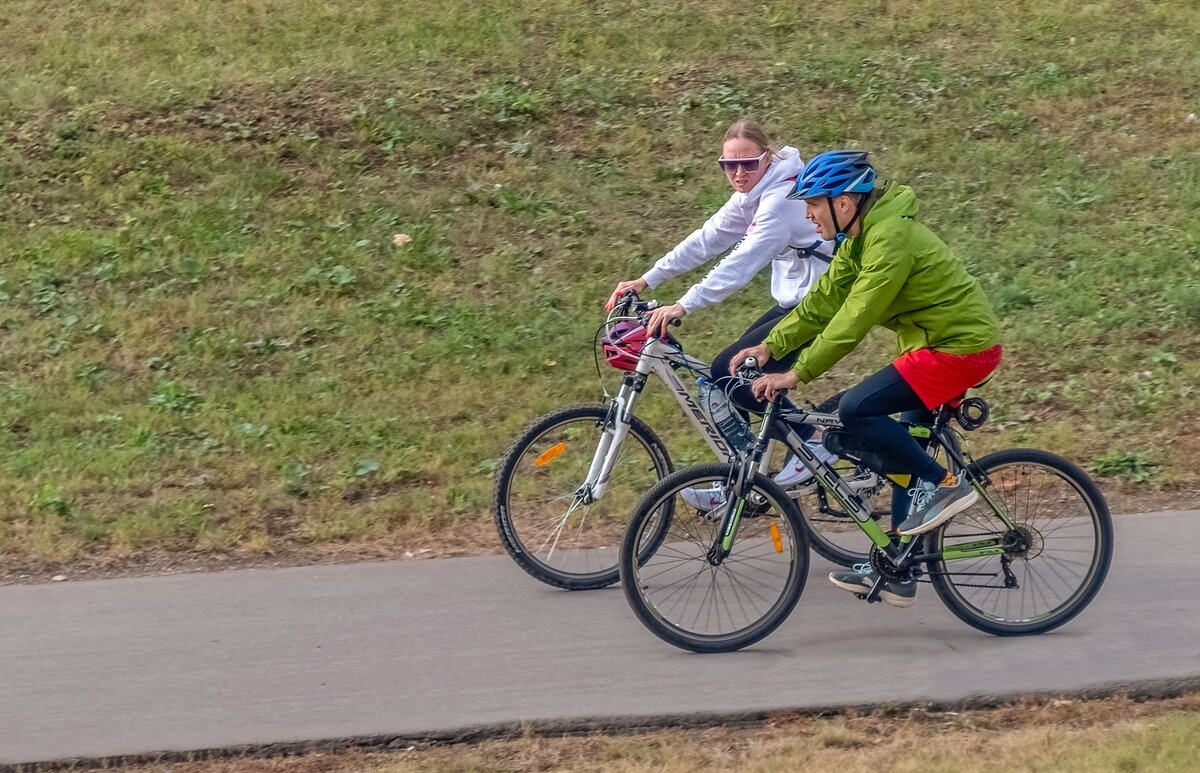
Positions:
{"x": 902, "y": 555}
{"x": 658, "y": 358}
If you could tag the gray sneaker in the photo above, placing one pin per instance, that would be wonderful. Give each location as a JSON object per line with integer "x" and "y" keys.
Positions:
{"x": 933, "y": 505}
{"x": 861, "y": 579}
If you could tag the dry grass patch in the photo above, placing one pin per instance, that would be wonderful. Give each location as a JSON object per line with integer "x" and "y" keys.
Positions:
{"x": 1116, "y": 734}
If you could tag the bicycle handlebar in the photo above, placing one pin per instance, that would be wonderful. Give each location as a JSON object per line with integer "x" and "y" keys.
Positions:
{"x": 629, "y": 303}
{"x": 749, "y": 369}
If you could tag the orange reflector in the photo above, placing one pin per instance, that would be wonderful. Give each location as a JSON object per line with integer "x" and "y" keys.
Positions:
{"x": 778, "y": 540}
{"x": 549, "y": 454}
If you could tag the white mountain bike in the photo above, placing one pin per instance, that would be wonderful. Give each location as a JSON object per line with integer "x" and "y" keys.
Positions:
{"x": 569, "y": 483}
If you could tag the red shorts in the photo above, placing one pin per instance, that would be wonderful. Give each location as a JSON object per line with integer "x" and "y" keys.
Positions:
{"x": 938, "y": 377}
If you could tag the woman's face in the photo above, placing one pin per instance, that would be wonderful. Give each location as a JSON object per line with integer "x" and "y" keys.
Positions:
{"x": 742, "y": 179}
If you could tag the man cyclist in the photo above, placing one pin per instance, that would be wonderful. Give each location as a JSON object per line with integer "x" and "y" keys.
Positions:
{"x": 890, "y": 270}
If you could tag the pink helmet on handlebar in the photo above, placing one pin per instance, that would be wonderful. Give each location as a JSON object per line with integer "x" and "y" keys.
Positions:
{"x": 622, "y": 344}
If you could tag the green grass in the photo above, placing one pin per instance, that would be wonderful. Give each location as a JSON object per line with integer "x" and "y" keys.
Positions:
{"x": 208, "y": 340}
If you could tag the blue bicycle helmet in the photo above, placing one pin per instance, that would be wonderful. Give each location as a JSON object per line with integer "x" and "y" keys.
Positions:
{"x": 833, "y": 173}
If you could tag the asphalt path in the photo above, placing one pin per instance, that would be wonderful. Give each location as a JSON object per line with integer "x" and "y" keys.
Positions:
{"x": 407, "y": 648}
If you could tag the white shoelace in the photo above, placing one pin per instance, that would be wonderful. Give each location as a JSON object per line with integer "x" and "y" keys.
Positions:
{"x": 921, "y": 495}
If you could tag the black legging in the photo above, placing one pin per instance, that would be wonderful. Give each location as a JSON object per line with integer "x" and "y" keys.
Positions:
{"x": 866, "y": 410}
{"x": 739, "y": 393}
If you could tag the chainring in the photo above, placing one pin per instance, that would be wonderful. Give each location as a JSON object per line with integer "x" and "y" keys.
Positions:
{"x": 882, "y": 565}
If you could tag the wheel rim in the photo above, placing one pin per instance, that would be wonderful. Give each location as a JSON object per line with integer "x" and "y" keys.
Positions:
{"x": 682, "y": 589}
{"x": 1060, "y": 541}
{"x": 553, "y": 525}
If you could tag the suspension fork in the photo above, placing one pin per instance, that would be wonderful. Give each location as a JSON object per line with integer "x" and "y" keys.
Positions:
{"x": 755, "y": 460}
{"x": 612, "y": 436}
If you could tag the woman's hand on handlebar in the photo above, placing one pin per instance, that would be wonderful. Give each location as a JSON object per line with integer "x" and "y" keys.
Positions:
{"x": 657, "y": 320}
{"x": 637, "y": 285}
{"x": 769, "y": 385}
{"x": 760, "y": 353}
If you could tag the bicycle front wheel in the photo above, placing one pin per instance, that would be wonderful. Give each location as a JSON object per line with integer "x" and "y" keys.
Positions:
{"x": 546, "y": 522}
{"x": 1057, "y": 553}
{"x": 692, "y": 601}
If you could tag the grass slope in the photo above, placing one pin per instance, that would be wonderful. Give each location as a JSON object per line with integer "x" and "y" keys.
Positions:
{"x": 209, "y": 342}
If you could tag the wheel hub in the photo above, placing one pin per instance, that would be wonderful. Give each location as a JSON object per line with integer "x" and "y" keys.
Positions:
{"x": 1023, "y": 541}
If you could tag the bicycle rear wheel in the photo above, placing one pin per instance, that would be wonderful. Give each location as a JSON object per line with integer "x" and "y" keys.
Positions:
{"x": 687, "y": 600}
{"x": 545, "y": 523}
{"x": 1060, "y": 550}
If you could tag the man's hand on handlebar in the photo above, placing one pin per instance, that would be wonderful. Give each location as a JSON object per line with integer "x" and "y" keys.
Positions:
{"x": 760, "y": 353}
{"x": 637, "y": 285}
{"x": 770, "y": 384}
{"x": 657, "y": 321}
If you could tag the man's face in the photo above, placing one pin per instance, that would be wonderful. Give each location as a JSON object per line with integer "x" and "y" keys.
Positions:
{"x": 818, "y": 213}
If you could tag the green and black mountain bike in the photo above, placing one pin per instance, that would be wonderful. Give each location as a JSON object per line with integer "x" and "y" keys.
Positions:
{"x": 1026, "y": 558}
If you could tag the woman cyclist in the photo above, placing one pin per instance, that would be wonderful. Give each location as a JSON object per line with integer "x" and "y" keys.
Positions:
{"x": 888, "y": 270}
{"x": 763, "y": 227}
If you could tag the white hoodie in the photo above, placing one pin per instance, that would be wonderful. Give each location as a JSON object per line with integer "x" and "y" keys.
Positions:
{"x": 762, "y": 227}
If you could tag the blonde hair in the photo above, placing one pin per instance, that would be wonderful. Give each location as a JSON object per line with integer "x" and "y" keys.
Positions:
{"x": 745, "y": 129}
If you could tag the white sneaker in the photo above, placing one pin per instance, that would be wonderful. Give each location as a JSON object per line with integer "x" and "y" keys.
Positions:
{"x": 704, "y": 499}
{"x": 862, "y": 481}
{"x": 796, "y": 474}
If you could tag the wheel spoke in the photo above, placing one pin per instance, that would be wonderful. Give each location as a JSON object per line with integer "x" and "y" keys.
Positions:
{"x": 1063, "y": 535}
{"x": 545, "y": 523}
{"x": 682, "y": 596}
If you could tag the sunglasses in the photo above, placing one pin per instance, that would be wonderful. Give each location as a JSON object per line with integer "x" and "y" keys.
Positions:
{"x": 729, "y": 165}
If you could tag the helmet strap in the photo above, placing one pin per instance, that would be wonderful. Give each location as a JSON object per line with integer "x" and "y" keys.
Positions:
{"x": 837, "y": 229}
{"x": 858, "y": 210}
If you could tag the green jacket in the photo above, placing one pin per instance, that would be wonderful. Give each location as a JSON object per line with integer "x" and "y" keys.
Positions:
{"x": 895, "y": 273}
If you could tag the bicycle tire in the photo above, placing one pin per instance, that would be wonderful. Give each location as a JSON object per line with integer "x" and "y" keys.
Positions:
{"x": 1059, "y": 484}
{"x": 511, "y": 512}
{"x": 682, "y": 534}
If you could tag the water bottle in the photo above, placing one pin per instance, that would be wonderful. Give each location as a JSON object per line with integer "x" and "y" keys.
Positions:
{"x": 730, "y": 423}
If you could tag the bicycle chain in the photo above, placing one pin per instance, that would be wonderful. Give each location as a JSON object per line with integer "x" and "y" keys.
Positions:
{"x": 980, "y": 534}
{"x": 972, "y": 584}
